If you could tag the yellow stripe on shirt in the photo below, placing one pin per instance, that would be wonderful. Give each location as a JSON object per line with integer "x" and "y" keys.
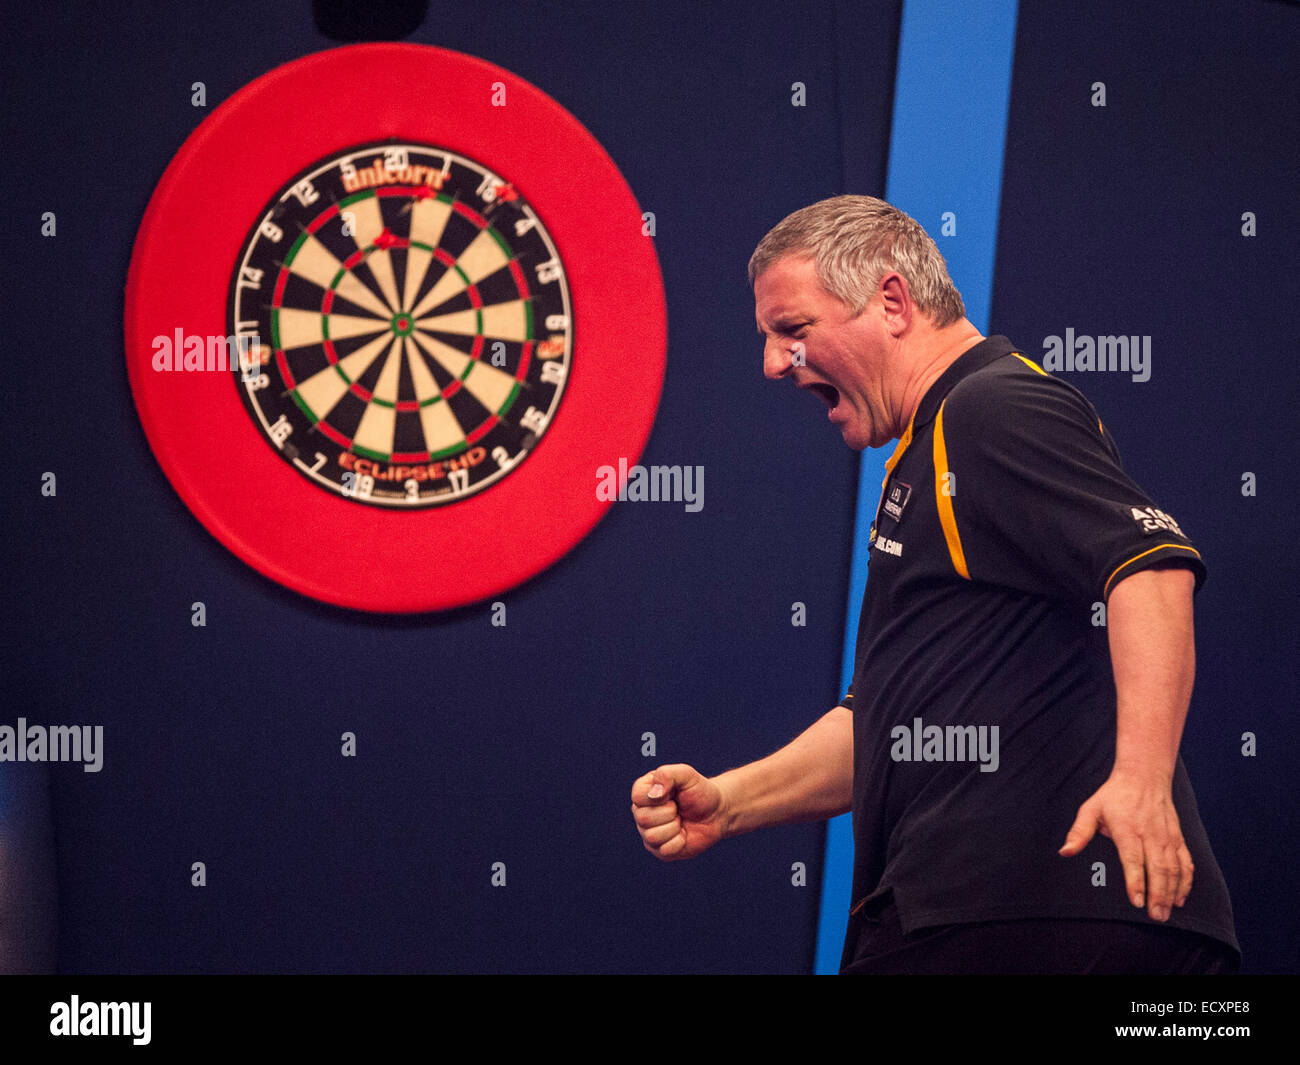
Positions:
{"x": 1105, "y": 592}
{"x": 944, "y": 501}
{"x": 1031, "y": 364}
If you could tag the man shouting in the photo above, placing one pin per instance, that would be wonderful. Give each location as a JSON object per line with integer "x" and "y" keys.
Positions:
{"x": 1025, "y": 655}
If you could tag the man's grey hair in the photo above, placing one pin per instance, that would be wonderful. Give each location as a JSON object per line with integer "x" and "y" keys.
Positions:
{"x": 854, "y": 242}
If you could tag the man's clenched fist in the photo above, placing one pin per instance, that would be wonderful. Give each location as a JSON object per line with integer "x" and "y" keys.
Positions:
{"x": 678, "y": 812}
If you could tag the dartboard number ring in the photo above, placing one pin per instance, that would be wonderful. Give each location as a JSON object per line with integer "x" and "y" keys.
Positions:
{"x": 403, "y": 323}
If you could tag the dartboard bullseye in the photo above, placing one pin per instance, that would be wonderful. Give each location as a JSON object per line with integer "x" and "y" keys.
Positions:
{"x": 417, "y": 321}
{"x": 447, "y": 317}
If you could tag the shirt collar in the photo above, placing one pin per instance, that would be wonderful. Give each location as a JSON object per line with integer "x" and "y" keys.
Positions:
{"x": 988, "y": 350}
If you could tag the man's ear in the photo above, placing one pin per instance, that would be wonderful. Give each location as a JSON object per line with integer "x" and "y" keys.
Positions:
{"x": 896, "y": 301}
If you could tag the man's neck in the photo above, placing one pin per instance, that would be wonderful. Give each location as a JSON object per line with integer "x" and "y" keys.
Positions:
{"x": 929, "y": 355}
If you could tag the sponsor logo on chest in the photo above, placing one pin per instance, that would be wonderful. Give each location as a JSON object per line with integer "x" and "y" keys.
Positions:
{"x": 888, "y": 546}
{"x": 896, "y": 499}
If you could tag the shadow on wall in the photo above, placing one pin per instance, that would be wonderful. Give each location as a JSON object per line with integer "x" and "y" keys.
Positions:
{"x": 28, "y": 896}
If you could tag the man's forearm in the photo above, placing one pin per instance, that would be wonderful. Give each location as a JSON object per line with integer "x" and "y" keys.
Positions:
{"x": 809, "y": 779}
{"x": 1153, "y": 653}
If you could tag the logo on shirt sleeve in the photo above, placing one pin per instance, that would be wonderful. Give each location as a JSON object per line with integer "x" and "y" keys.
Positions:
{"x": 896, "y": 499}
{"x": 1154, "y": 520}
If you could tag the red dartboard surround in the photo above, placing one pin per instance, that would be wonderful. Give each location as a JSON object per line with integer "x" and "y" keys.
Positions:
{"x": 196, "y": 232}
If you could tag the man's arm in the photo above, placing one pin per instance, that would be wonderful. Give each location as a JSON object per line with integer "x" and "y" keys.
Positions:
{"x": 1149, "y": 622}
{"x": 809, "y": 779}
{"x": 681, "y": 813}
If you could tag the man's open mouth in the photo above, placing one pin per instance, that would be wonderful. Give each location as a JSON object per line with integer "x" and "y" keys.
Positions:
{"x": 830, "y": 396}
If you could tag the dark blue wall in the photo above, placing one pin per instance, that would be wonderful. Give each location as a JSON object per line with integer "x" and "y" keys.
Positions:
{"x": 1127, "y": 219}
{"x": 479, "y": 744}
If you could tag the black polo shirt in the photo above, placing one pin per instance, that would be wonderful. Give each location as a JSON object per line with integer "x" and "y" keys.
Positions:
{"x": 1005, "y": 520}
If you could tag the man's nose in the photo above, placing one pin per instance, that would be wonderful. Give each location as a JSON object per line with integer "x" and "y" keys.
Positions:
{"x": 776, "y": 359}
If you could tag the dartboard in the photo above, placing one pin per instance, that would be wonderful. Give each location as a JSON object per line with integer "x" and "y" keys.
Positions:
{"x": 408, "y": 344}
{"x": 383, "y": 362}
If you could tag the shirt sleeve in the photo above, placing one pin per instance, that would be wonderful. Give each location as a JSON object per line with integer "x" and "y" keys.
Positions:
{"x": 1038, "y": 498}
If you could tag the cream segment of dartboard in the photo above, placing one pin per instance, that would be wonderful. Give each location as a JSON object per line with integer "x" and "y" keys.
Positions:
{"x": 322, "y": 390}
{"x": 484, "y": 256}
{"x": 366, "y": 230}
{"x": 377, "y": 429}
{"x": 315, "y": 262}
{"x": 299, "y": 328}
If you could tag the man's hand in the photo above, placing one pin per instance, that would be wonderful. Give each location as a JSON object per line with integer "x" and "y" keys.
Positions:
{"x": 1136, "y": 811}
{"x": 681, "y": 813}
{"x": 1153, "y": 654}
{"x": 677, "y": 811}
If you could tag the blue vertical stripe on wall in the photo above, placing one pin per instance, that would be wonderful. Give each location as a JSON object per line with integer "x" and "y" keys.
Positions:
{"x": 951, "y": 91}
